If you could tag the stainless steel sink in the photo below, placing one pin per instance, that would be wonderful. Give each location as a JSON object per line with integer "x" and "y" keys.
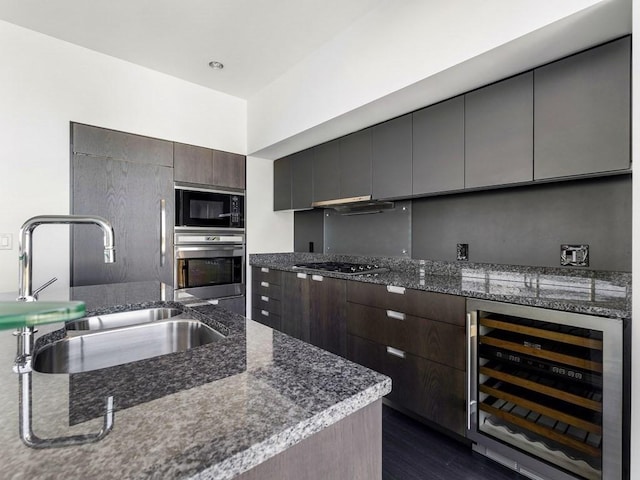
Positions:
{"x": 123, "y": 319}
{"x": 118, "y": 346}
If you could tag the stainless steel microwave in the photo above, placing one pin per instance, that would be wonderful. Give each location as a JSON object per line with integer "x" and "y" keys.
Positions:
{"x": 198, "y": 207}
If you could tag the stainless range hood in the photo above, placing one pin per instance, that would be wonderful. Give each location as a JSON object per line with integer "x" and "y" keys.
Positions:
{"x": 361, "y": 205}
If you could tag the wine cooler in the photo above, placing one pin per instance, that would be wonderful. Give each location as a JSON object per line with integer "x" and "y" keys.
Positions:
{"x": 545, "y": 390}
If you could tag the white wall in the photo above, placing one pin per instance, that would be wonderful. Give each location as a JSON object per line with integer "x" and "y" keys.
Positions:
{"x": 45, "y": 84}
{"x": 394, "y": 47}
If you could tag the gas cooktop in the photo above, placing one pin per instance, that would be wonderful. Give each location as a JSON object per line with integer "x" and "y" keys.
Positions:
{"x": 343, "y": 267}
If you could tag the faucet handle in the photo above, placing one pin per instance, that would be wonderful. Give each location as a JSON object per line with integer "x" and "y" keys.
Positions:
{"x": 34, "y": 295}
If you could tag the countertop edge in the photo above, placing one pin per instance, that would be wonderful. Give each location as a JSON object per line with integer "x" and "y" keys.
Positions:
{"x": 278, "y": 443}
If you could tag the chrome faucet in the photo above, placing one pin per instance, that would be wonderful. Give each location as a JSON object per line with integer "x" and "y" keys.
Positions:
{"x": 25, "y": 292}
{"x": 25, "y": 335}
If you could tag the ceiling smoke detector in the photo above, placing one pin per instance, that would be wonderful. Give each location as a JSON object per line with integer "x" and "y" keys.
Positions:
{"x": 216, "y": 65}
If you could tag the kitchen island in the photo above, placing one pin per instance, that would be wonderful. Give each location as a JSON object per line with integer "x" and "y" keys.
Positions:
{"x": 256, "y": 404}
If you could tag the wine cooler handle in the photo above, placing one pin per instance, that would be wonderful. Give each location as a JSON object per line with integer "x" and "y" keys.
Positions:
{"x": 471, "y": 336}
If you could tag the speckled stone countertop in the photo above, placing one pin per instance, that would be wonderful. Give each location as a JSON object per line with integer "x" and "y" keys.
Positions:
{"x": 606, "y": 294}
{"x": 209, "y": 413}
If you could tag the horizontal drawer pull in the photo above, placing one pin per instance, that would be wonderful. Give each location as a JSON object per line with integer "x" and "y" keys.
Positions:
{"x": 395, "y": 352}
{"x": 264, "y": 270}
{"x": 264, "y": 284}
{"x": 264, "y": 299}
{"x": 317, "y": 278}
{"x": 264, "y": 313}
{"x": 396, "y": 315}
{"x": 395, "y": 289}
{"x": 303, "y": 276}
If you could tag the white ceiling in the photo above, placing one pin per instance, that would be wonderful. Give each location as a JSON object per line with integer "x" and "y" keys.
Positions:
{"x": 256, "y": 40}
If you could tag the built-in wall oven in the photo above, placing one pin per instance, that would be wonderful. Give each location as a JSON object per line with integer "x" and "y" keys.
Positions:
{"x": 545, "y": 390}
{"x": 209, "y": 264}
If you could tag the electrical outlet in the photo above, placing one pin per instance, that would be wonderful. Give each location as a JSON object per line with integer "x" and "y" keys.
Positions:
{"x": 6, "y": 241}
{"x": 462, "y": 251}
{"x": 574, "y": 255}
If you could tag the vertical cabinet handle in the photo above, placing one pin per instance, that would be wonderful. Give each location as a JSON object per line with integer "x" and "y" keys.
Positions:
{"x": 163, "y": 232}
{"x": 394, "y": 289}
{"x": 396, "y": 315}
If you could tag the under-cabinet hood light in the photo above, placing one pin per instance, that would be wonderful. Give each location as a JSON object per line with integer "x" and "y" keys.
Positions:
{"x": 216, "y": 65}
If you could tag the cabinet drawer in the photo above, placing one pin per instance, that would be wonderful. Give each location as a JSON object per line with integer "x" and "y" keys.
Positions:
{"x": 264, "y": 274}
{"x": 433, "y": 340}
{"x": 266, "y": 289}
{"x": 435, "y": 306}
{"x": 431, "y": 390}
{"x": 263, "y": 302}
{"x": 266, "y": 318}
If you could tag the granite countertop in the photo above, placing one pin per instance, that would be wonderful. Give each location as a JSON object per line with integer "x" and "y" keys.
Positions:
{"x": 209, "y": 413}
{"x": 606, "y": 294}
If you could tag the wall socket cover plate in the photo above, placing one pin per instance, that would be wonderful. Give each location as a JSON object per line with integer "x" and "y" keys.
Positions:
{"x": 462, "y": 251}
{"x": 6, "y": 241}
{"x": 574, "y": 255}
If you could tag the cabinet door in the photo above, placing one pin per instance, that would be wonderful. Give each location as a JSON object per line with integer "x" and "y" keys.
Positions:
{"x": 498, "y": 130}
{"x": 282, "y": 184}
{"x": 296, "y": 305}
{"x": 326, "y": 172}
{"x": 328, "y": 326}
{"x": 103, "y": 142}
{"x": 438, "y": 147}
{"x": 229, "y": 169}
{"x": 355, "y": 164}
{"x": 130, "y": 196}
{"x": 192, "y": 164}
{"x": 582, "y": 113}
{"x": 302, "y": 179}
{"x": 392, "y": 149}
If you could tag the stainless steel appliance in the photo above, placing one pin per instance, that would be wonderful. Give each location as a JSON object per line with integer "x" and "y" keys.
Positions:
{"x": 343, "y": 267}
{"x": 209, "y": 263}
{"x": 199, "y": 207}
{"x": 545, "y": 390}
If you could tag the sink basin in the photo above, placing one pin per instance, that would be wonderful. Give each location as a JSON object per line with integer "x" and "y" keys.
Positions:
{"x": 123, "y": 319}
{"x": 118, "y": 346}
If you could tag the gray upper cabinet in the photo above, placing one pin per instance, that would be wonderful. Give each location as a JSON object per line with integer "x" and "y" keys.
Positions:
{"x": 282, "y": 184}
{"x": 302, "y": 179}
{"x": 326, "y": 171}
{"x": 229, "y": 169}
{"x": 102, "y": 142}
{"x": 391, "y": 158}
{"x": 582, "y": 113}
{"x": 208, "y": 167}
{"x": 355, "y": 164}
{"x": 130, "y": 195}
{"x": 193, "y": 164}
{"x": 438, "y": 147}
{"x": 499, "y": 133}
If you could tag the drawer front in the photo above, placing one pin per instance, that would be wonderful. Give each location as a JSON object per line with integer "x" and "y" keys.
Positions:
{"x": 438, "y": 341}
{"x": 266, "y": 318}
{"x": 435, "y": 306}
{"x": 263, "y": 288}
{"x": 264, "y": 274}
{"x": 431, "y": 390}
{"x": 263, "y": 302}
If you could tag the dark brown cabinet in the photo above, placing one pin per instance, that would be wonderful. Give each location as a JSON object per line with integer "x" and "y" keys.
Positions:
{"x": 498, "y": 133}
{"x": 296, "y": 305}
{"x": 282, "y": 184}
{"x": 438, "y": 147}
{"x": 266, "y": 292}
{"x": 355, "y": 164}
{"x": 293, "y": 181}
{"x": 327, "y": 320}
{"x": 582, "y": 113}
{"x": 326, "y": 171}
{"x": 193, "y": 164}
{"x": 418, "y": 339}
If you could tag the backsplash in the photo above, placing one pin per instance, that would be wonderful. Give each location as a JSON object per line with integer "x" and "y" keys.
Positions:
{"x": 520, "y": 226}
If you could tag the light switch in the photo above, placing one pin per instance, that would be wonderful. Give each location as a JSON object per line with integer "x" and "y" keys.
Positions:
{"x": 6, "y": 241}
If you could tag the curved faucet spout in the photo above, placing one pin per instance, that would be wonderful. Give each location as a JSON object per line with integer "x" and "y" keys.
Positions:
{"x": 26, "y": 246}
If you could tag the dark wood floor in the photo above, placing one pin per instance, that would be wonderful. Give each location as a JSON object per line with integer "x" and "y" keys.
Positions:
{"x": 411, "y": 451}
